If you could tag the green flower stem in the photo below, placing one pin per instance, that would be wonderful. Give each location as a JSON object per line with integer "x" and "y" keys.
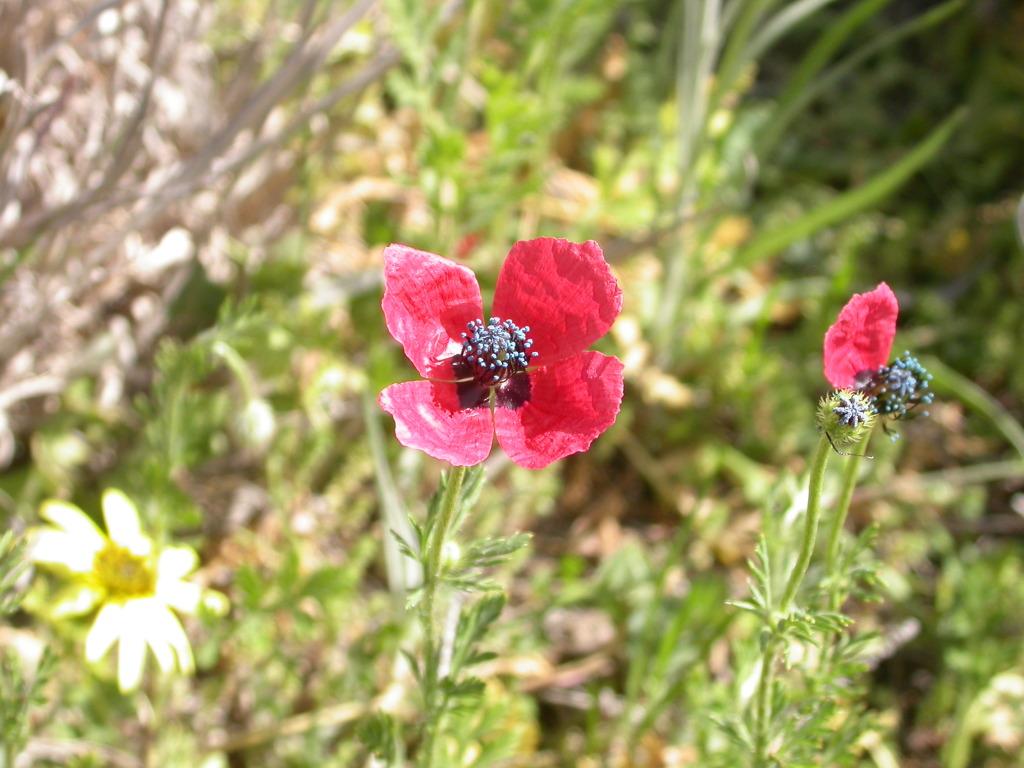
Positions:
{"x": 438, "y": 531}
{"x": 238, "y": 367}
{"x": 813, "y": 515}
{"x": 762, "y": 696}
{"x": 839, "y": 518}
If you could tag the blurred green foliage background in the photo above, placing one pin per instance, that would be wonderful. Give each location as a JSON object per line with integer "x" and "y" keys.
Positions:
{"x": 194, "y": 198}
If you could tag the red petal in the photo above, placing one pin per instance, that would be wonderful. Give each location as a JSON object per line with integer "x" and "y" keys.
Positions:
{"x": 428, "y": 418}
{"x": 862, "y": 337}
{"x": 570, "y": 404}
{"x": 564, "y": 291}
{"x": 428, "y": 300}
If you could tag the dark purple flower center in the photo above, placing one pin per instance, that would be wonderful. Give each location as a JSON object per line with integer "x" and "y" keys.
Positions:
{"x": 492, "y": 356}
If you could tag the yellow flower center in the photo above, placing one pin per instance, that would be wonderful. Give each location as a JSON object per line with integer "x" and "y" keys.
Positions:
{"x": 123, "y": 575}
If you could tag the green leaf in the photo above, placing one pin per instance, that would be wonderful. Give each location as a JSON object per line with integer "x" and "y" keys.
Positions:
{"x": 490, "y": 552}
{"x": 743, "y": 605}
{"x": 378, "y": 734}
{"x": 464, "y": 694}
{"x": 473, "y": 625}
{"x": 404, "y": 547}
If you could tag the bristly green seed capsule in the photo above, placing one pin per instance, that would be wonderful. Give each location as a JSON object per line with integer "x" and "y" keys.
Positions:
{"x": 846, "y": 416}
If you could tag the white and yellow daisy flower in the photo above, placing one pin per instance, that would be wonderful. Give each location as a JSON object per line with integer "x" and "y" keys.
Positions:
{"x": 134, "y": 587}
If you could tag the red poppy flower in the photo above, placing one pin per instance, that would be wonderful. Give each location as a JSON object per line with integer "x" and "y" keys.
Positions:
{"x": 858, "y": 345}
{"x": 524, "y": 374}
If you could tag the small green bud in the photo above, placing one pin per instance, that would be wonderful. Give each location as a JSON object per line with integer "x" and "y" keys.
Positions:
{"x": 451, "y": 556}
{"x": 215, "y": 603}
{"x": 846, "y": 416}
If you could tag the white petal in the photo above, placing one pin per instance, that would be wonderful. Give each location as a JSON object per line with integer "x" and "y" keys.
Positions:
{"x": 161, "y": 651}
{"x": 168, "y": 627}
{"x": 75, "y": 522}
{"x": 131, "y": 652}
{"x": 105, "y": 630}
{"x": 55, "y": 547}
{"x": 74, "y": 601}
{"x": 123, "y": 523}
{"x": 152, "y": 621}
{"x": 176, "y": 562}
{"x": 179, "y": 594}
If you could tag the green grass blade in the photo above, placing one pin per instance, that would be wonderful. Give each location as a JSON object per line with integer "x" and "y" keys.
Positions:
{"x": 735, "y": 53}
{"x": 856, "y": 200}
{"x": 777, "y": 27}
{"x": 802, "y": 92}
{"x": 821, "y": 53}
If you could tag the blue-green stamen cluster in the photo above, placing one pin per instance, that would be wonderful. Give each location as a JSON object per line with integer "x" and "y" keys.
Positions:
{"x": 496, "y": 351}
{"x": 897, "y": 388}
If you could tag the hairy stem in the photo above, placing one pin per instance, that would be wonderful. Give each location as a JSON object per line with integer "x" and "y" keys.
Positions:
{"x": 813, "y": 515}
{"x": 839, "y": 518}
{"x": 438, "y": 532}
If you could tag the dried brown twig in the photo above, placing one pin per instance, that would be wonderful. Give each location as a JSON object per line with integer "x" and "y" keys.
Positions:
{"x": 117, "y": 161}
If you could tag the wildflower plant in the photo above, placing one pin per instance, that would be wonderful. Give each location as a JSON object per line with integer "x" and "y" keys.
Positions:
{"x": 524, "y": 375}
{"x": 133, "y": 587}
{"x": 806, "y": 628}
